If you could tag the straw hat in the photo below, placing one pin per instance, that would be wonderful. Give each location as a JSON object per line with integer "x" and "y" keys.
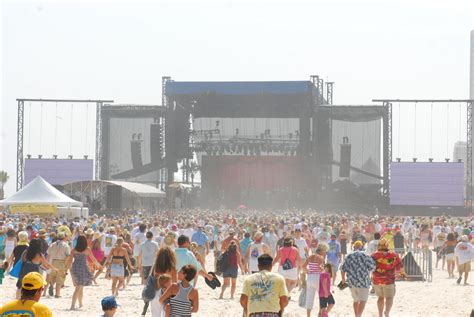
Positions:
{"x": 89, "y": 232}
{"x": 97, "y": 235}
{"x": 382, "y": 245}
{"x": 42, "y": 233}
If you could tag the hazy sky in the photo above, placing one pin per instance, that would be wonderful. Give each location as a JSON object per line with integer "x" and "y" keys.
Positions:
{"x": 119, "y": 51}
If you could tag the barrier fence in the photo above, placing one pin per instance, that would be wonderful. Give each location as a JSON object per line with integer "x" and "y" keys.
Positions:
{"x": 418, "y": 263}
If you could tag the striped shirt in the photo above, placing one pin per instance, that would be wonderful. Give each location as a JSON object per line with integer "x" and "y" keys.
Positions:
{"x": 180, "y": 304}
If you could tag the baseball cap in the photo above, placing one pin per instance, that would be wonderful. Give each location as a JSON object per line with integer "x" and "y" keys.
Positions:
{"x": 32, "y": 281}
{"x": 60, "y": 235}
{"x": 109, "y": 303}
{"x": 358, "y": 244}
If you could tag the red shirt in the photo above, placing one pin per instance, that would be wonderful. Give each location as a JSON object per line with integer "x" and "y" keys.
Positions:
{"x": 385, "y": 265}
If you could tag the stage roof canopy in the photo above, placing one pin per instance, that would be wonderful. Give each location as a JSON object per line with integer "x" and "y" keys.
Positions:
{"x": 252, "y": 99}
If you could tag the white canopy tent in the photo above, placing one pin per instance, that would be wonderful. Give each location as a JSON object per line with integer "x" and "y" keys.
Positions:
{"x": 40, "y": 192}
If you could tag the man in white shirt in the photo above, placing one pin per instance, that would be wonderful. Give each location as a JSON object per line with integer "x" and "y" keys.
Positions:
{"x": 146, "y": 256}
{"x": 188, "y": 231}
{"x": 138, "y": 239}
{"x": 373, "y": 245}
{"x": 464, "y": 253}
{"x": 301, "y": 245}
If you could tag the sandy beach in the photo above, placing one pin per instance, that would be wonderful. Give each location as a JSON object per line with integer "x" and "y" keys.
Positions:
{"x": 442, "y": 298}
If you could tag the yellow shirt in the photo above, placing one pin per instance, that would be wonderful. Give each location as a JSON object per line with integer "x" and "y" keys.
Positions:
{"x": 264, "y": 290}
{"x": 27, "y": 308}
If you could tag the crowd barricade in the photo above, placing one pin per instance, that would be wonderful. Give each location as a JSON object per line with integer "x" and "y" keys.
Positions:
{"x": 418, "y": 264}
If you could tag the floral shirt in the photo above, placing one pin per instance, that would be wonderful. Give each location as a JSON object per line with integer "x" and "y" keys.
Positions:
{"x": 358, "y": 266}
{"x": 386, "y": 264}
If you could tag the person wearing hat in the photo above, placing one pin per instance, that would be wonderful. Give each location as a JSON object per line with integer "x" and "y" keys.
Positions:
{"x": 386, "y": 263}
{"x": 32, "y": 287}
{"x": 226, "y": 242}
{"x": 255, "y": 249}
{"x": 358, "y": 265}
{"x": 58, "y": 253}
{"x": 109, "y": 306}
{"x": 202, "y": 241}
{"x": 464, "y": 254}
{"x": 42, "y": 236}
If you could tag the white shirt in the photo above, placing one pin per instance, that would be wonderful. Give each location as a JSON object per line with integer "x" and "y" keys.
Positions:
{"x": 108, "y": 242}
{"x": 301, "y": 245}
{"x": 372, "y": 247}
{"x": 464, "y": 251}
{"x": 138, "y": 239}
{"x": 188, "y": 232}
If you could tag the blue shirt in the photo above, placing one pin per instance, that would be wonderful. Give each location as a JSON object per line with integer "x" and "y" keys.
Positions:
{"x": 244, "y": 244}
{"x": 333, "y": 252}
{"x": 358, "y": 267}
{"x": 200, "y": 238}
{"x": 185, "y": 257}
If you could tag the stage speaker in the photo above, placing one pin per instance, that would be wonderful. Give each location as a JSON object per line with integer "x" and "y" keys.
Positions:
{"x": 136, "y": 151}
{"x": 345, "y": 158}
{"x": 155, "y": 142}
{"x": 114, "y": 197}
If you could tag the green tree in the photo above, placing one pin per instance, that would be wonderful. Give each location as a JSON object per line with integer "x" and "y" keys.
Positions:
{"x": 3, "y": 180}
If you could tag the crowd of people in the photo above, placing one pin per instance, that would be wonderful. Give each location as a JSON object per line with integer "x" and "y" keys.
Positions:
{"x": 284, "y": 254}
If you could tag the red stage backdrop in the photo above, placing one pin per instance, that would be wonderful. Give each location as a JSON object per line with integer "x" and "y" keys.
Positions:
{"x": 260, "y": 173}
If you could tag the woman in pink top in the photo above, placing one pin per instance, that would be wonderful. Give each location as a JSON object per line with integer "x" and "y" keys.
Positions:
{"x": 290, "y": 262}
{"x": 313, "y": 266}
{"x": 326, "y": 300}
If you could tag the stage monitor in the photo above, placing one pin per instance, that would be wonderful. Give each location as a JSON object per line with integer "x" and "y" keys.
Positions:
{"x": 59, "y": 171}
{"x": 426, "y": 184}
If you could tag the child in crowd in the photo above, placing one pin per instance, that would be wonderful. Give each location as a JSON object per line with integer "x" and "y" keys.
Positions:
{"x": 326, "y": 300}
{"x": 183, "y": 298}
{"x": 165, "y": 282}
{"x": 3, "y": 269}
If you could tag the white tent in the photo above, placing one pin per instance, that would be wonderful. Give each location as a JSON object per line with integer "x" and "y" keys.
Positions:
{"x": 39, "y": 192}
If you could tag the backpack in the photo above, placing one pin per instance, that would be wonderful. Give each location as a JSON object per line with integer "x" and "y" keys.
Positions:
{"x": 148, "y": 293}
{"x": 287, "y": 265}
{"x": 222, "y": 263}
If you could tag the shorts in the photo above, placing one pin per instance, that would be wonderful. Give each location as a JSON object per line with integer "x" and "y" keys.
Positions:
{"x": 230, "y": 272}
{"x": 117, "y": 270}
{"x": 58, "y": 277}
{"x": 451, "y": 257}
{"x": 325, "y": 301}
{"x": 291, "y": 274}
{"x": 146, "y": 271}
{"x": 465, "y": 267}
{"x": 385, "y": 291}
{"x": 359, "y": 294}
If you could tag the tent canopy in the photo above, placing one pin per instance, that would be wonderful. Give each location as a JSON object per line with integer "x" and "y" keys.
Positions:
{"x": 137, "y": 189}
{"x": 39, "y": 192}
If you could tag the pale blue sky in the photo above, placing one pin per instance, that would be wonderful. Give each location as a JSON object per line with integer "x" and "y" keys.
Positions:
{"x": 90, "y": 49}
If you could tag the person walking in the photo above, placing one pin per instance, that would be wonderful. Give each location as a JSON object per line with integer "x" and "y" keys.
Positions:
{"x": 202, "y": 241}
{"x": 464, "y": 254}
{"x": 147, "y": 255}
{"x": 165, "y": 264}
{"x": 77, "y": 263}
{"x": 58, "y": 253}
{"x": 448, "y": 249}
{"x": 386, "y": 263}
{"x": 358, "y": 266}
{"x": 264, "y": 293}
{"x": 186, "y": 257}
{"x": 116, "y": 265}
{"x": 333, "y": 256}
{"x": 289, "y": 263}
{"x": 313, "y": 267}
{"x": 254, "y": 250}
{"x": 230, "y": 272}
{"x": 33, "y": 258}
{"x": 32, "y": 286}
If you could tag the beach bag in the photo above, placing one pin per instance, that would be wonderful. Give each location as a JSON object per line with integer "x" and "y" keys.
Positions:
{"x": 302, "y": 298}
{"x": 15, "y": 272}
{"x": 287, "y": 265}
{"x": 222, "y": 263}
{"x": 149, "y": 292}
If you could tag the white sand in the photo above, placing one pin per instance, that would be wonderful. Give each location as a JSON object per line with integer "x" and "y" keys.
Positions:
{"x": 442, "y": 297}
